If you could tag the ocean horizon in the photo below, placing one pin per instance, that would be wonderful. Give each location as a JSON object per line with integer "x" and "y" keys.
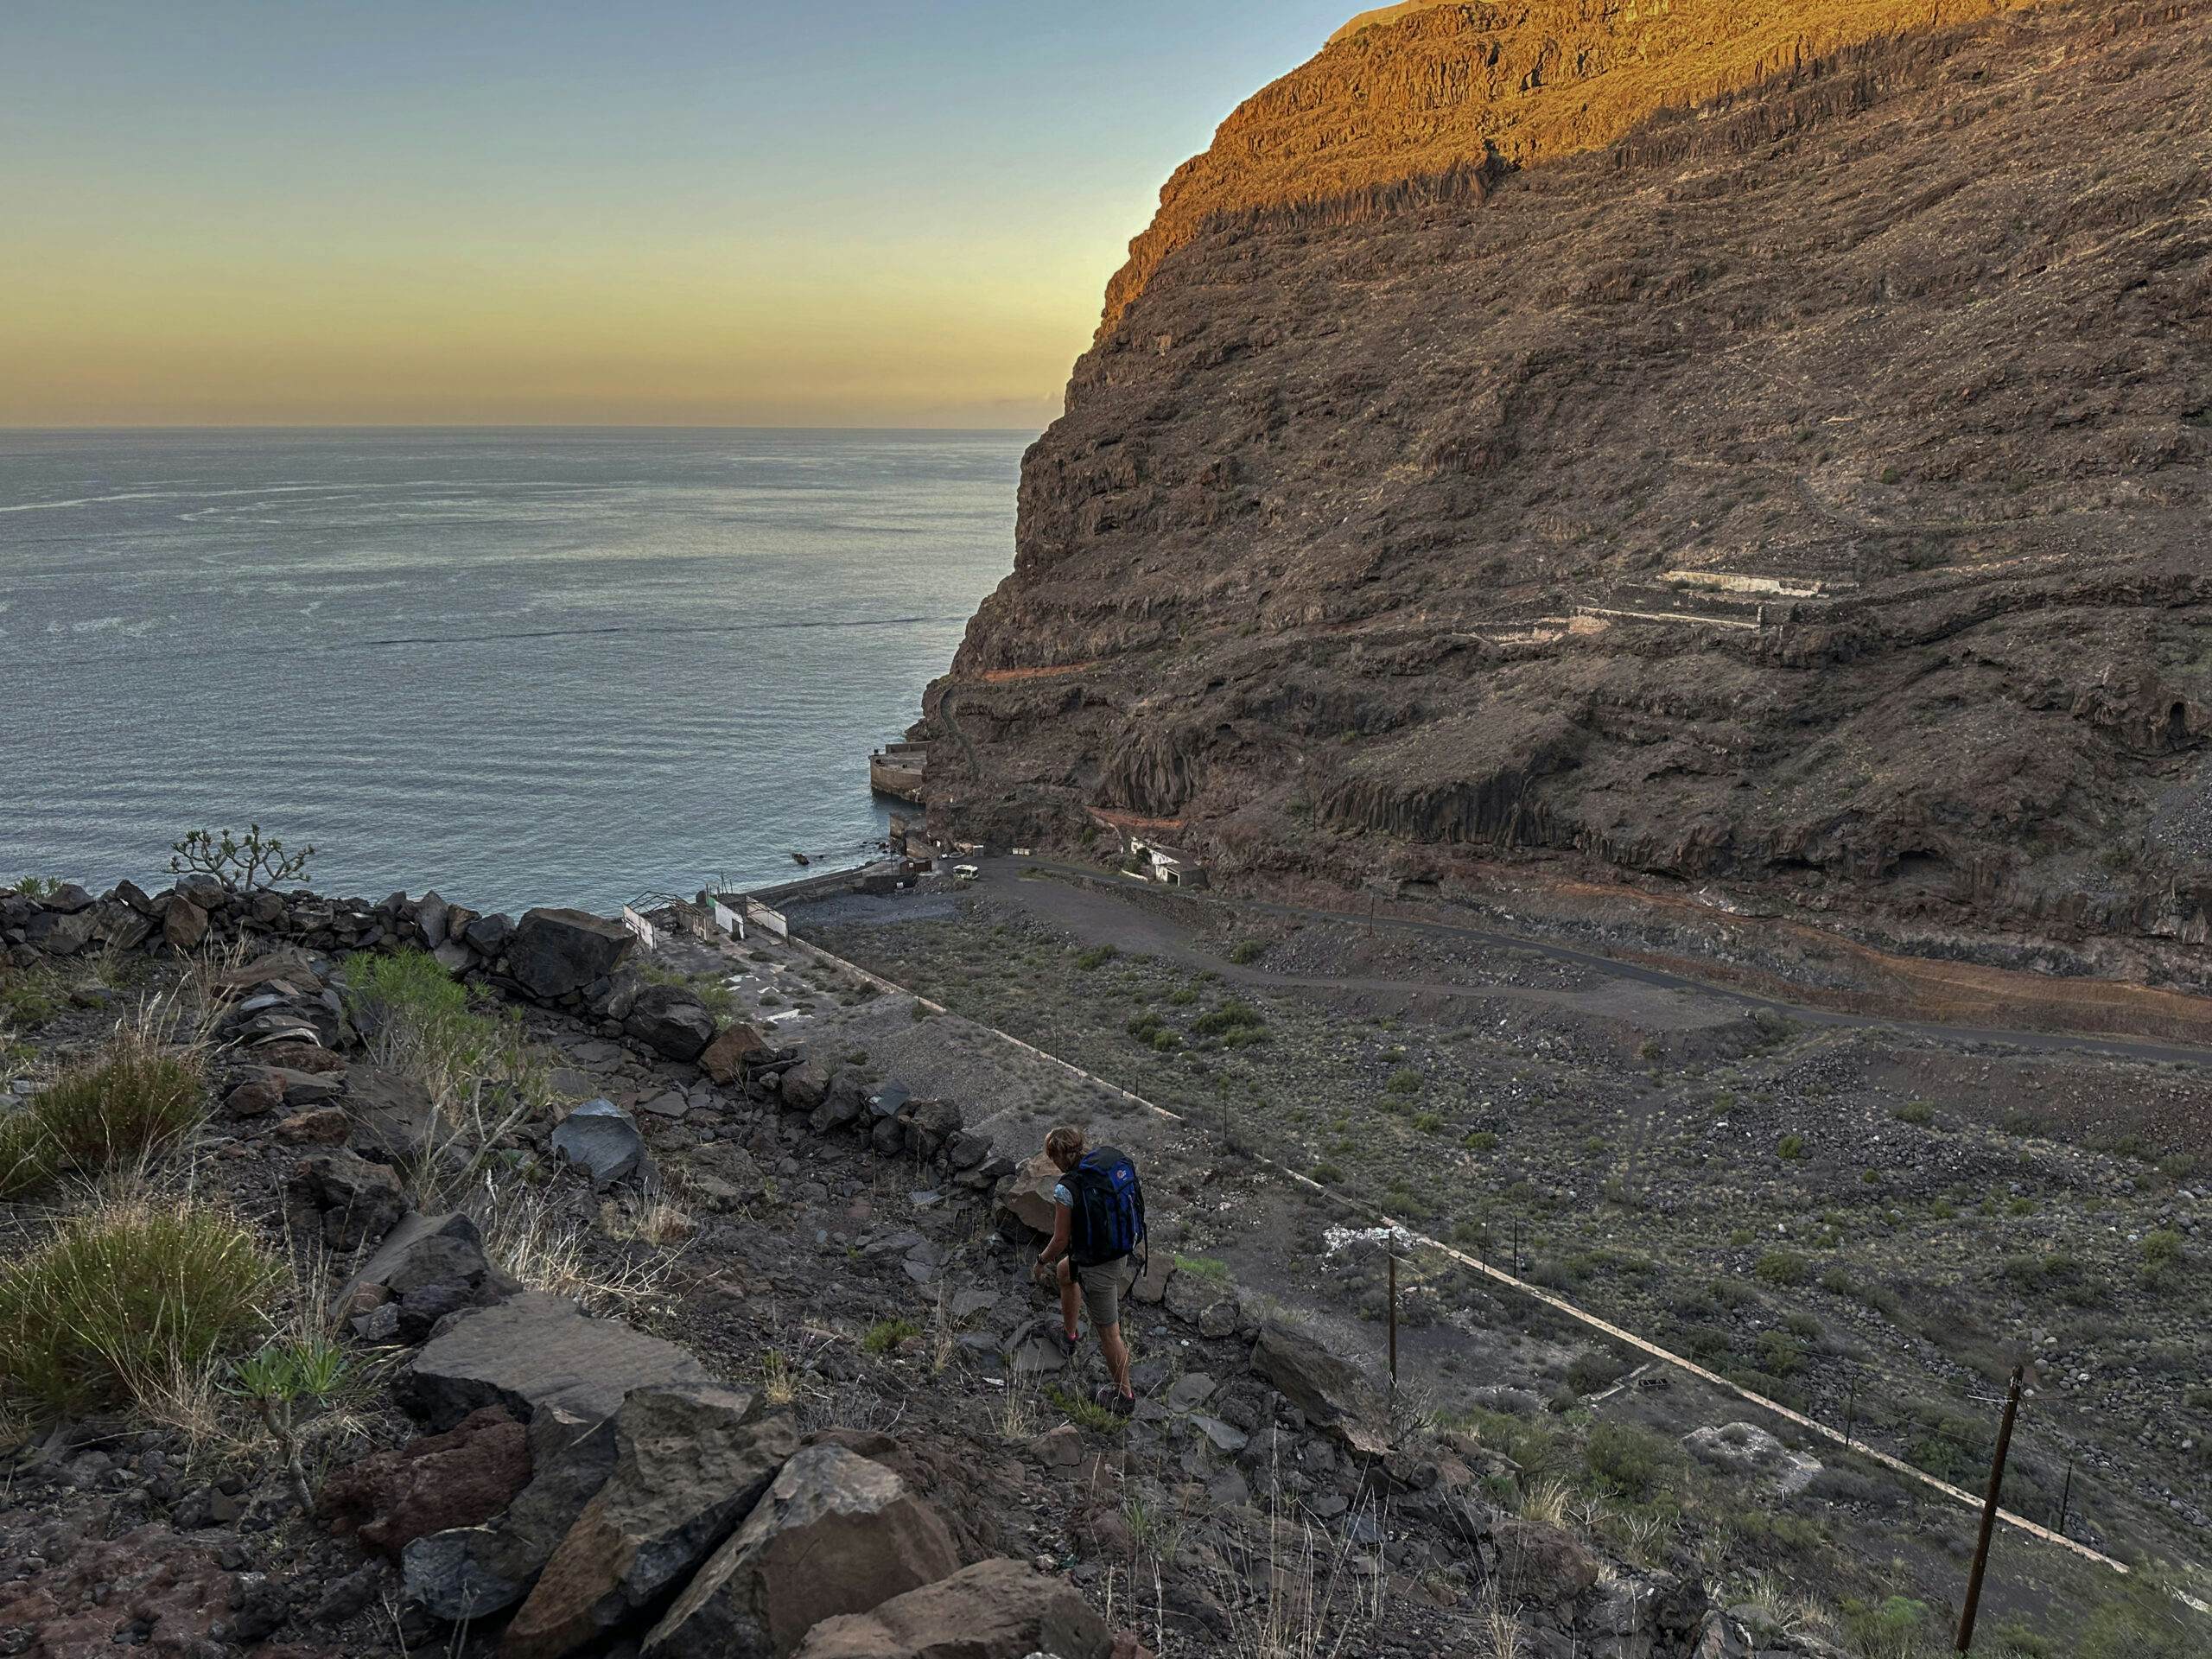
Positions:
{"x": 526, "y": 664}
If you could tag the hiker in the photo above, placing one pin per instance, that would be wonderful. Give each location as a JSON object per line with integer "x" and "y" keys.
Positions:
{"x": 1097, "y": 1226}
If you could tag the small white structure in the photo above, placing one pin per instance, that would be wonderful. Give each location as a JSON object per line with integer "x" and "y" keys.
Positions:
{"x": 1169, "y": 867}
{"x": 639, "y": 926}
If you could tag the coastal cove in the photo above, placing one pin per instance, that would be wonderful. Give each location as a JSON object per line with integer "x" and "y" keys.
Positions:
{"x": 561, "y": 665}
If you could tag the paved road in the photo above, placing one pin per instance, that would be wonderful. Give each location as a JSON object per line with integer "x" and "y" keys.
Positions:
{"x": 2035, "y": 1041}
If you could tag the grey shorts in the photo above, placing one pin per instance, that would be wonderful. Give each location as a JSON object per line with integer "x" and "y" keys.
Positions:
{"x": 1103, "y": 1286}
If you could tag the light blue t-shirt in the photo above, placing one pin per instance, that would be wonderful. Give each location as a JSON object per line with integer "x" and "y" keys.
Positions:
{"x": 1061, "y": 1195}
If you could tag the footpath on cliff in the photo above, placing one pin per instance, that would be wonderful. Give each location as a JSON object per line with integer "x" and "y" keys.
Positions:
{"x": 543, "y": 1295}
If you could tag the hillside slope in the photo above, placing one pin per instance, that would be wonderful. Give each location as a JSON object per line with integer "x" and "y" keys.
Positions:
{"x": 1808, "y": 494}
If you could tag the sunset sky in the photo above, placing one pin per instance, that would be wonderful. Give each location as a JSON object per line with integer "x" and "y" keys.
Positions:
{"x": 838, "y": 212}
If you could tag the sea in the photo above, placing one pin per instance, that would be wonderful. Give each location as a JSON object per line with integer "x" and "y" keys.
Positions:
{"x": 522, "y": 667}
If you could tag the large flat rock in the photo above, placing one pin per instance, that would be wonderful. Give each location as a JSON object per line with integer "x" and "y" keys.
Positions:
{"x": 535, "y": 1351}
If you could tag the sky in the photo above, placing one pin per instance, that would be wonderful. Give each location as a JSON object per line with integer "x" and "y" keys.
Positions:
{"x": 588, "y": 211}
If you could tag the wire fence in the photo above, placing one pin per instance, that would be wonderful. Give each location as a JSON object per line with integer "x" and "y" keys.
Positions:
{"x": 1960, "y": 1441}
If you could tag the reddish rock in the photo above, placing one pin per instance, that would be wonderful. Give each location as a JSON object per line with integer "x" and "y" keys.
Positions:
{"x": 723, "y": 1058}
{"x": 460, "y": 1478}
{"x": 994, "y": 1610}
{"x": 302, "y": 1057}
{"x": 325, "y": 1126}
{"x": 255, "y": 1099}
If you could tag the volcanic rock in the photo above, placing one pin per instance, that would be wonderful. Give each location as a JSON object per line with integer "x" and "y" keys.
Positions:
{"x": 460, "y": 1478}
{"x": 994, "y": 1610}
{"x": 690, "y": 1462}
{"x": 557, "y": 953}
{"x": 836, "y": 1534}
{"x": 536, "y": 1351}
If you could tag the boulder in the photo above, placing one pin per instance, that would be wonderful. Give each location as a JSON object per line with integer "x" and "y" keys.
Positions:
{"x": 602, "y": 1138}
{"x": 690, "y": 1462}
{"x": 844, "y": 1103}
{"x": 121, "y": 927}
{"x": 303, "y": 1087}
{"x": 671, "y": 1021}
{"x": 555, "y": 953}
{"x": 535, "y": 1351}
{"x": 836, "y": 1534}
{"x": 806, "y": 1084}
{"x": 61, "y": 933}
{"x": 255, "y": 1097}
{"x": 487, "y": 936}
{"x": 460, "y": 1478}
{"x": 69, "y": 900}
{"x": 350, "y": 1202}
{"x": 724, "y": 1058}
{"x": 1550, "y": 1566}
{"x": 394, "y": 1121}
{"x": 1330, "y": 1390}
{"x": 1027, "y": 1196}
{"x": 204, "y": 891}
{"x": 431, "y": 921}
{"x": 323, "y": 1126}
{"x": 427, "y": 1266}
{"x": 471, "y": 1573}
{"x": 994, "y": 1610}
{"x": 184, "y": 924}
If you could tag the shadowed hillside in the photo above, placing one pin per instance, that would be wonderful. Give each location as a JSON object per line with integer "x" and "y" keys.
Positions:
{"x": 1806, "y": 492}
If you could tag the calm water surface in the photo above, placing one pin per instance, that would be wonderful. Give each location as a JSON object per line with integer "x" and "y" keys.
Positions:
{"x": 523, "y": 666}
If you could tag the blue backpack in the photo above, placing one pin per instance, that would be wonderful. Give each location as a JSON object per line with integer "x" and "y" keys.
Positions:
{"x": 1106, "y": 1221}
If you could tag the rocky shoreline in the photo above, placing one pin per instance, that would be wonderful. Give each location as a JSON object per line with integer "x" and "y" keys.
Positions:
{"x": 534, "y": 1476}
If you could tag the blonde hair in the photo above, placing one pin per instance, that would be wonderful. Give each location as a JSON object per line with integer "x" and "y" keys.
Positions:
{"x": 1063, "y": 1147}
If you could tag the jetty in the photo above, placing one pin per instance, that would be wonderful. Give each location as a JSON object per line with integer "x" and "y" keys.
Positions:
{"x": 898, "y": 771}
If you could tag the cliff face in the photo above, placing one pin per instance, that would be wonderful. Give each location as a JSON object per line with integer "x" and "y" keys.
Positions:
{"x": 1806, "y": 485}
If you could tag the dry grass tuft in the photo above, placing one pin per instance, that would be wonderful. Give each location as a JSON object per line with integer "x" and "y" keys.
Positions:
{"x": 129, "y": 1300}
{"x": 525, "y": 1233}
{"x": 138, "y": 1100}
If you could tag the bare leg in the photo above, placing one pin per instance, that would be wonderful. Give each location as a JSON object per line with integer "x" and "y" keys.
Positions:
{"x": 1071, "y": 1298}
{"x": 1117, "y": 1358}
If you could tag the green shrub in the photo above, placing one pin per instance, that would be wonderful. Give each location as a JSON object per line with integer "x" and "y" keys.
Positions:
{"x": 1634, "y": 1462}
{"x": 1780, "y": 1354}
{"x": 1428, "y": 1123}
{"x": 886, "y": 1334}
{"x": 38, "y": 886}
{"x": 1791, "y": 1147}
{"x": 1480, "y": 1140}
{"x": 1920, "y": 1113}
{"x": 1247, "y": 951}
{"x": 1887, "y": 1629}
{"x": 1098, "y": 956}
{"x": 416, "y": 1018}
{"x": 126, "y": 1299}
{"x": 2141, "y": 1621}
{"x": 1784, "y": 1268}
{"x": 1594, "y": 1370}
{"x": 1403, "y": 1080}
{"x": 2160, "y": 1251}
{"x": 133, "y": 1102}
{"x": 1229, "y": 1019}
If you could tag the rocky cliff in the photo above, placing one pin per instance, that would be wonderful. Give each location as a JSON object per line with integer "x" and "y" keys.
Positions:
{"x": 1766, "y": 447}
